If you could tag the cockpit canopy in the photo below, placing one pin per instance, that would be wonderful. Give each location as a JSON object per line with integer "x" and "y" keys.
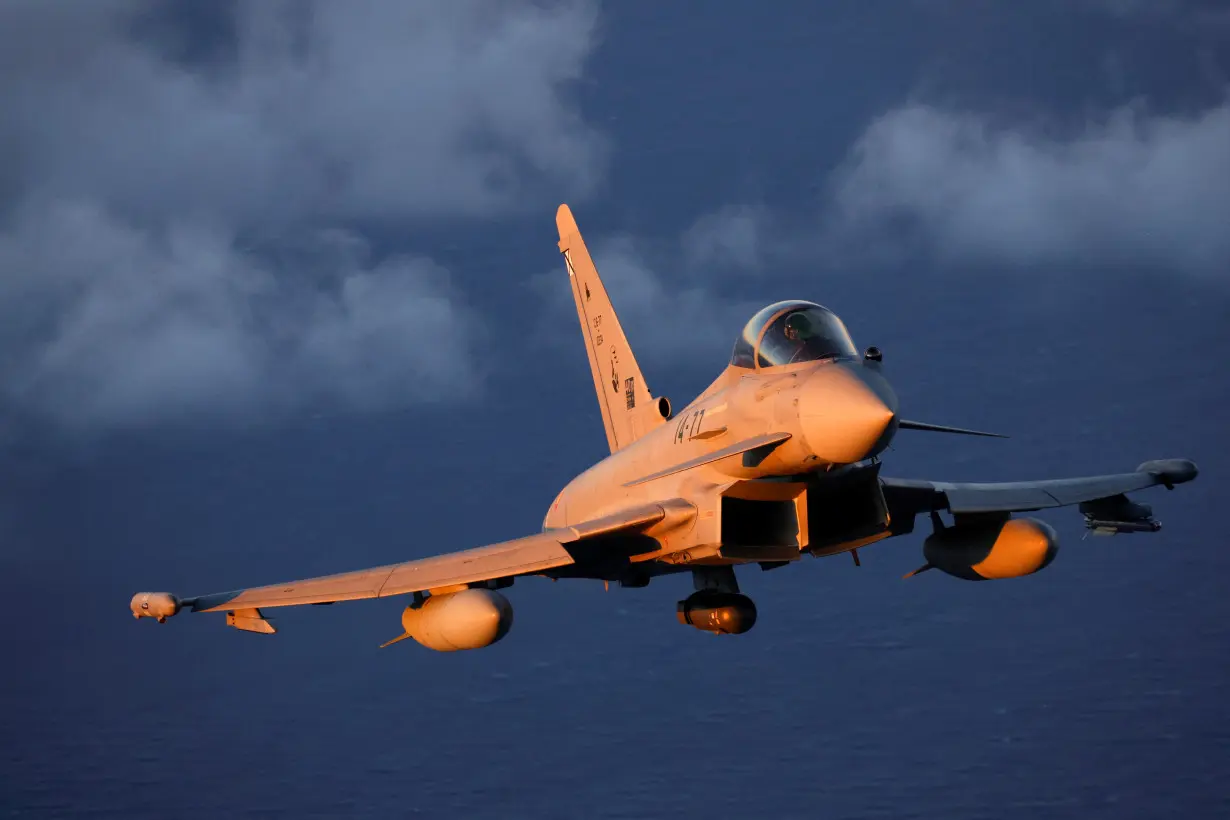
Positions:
{"x": 789, "y": 333}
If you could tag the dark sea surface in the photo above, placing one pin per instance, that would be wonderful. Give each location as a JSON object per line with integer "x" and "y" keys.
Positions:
{"x": 1096, "y": 689}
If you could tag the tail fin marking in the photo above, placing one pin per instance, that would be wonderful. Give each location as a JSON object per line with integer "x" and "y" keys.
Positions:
{"x": 623, "y": 395}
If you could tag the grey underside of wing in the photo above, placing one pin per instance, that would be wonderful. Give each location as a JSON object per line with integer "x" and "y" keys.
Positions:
{"x": 520, "y": 557}
{"x": 1021, "y": 496}
{"x": 1037, "y": 495}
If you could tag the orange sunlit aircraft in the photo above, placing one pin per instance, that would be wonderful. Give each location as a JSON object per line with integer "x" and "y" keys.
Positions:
{"x": 778, "y": 458}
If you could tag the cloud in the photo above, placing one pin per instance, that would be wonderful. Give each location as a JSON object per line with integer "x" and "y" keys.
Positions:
{"x": 676, "y": 298}
{"x": 184, "y": 209}
{"x": 115, "y": 325}
{"x": 728, "y": 238}
{"x": 365, "y": 109}
{"x": 1132, "y": 188}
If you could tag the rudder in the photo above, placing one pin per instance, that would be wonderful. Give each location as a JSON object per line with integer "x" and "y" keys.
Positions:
{"x": 628, "y": 408}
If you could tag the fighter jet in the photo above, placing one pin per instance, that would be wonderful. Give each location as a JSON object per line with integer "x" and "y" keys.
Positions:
{"x": 779, "y": 458}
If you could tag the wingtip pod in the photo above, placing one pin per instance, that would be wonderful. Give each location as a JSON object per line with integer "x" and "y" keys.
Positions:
{"x": 156, "y": 605}
{"x": 1171, "y": 471}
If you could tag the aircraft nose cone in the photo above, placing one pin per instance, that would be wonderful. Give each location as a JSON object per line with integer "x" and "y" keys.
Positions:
{"x": 847, "y": 412}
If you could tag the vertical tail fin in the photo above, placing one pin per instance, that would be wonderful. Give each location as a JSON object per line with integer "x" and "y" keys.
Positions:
{"x": 628, "y": 408}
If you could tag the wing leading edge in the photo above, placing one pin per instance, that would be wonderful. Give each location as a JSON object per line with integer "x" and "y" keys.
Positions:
{"x": 1021, "y": 496}
{"x": 531, "y": 555}
{"x": 522, "y": 556}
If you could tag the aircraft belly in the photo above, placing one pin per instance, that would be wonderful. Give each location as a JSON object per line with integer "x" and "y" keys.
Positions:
{"x": 847, "y": 546}
{"x": 742, "y": 553}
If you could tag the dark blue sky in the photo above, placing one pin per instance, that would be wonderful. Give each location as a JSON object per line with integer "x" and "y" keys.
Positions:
{"x": 279, "y": 296}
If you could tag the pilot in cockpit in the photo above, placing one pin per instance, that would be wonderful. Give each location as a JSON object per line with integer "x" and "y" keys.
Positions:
{"x": 798, "y": 330}
{"x": 791, "y": 332}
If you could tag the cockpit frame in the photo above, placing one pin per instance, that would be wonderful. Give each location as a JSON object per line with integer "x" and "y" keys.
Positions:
{"x": 832, "y": 341}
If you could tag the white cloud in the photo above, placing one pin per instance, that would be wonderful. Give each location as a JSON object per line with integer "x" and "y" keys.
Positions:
{"x": 674, "y": 298}
{"x": 1132, "y": 188}
{"x": 130, "y": 175}
{"x": 667, "y": 310}
{"x": 371, "y": 108}
{"x": 728, "y": 238}
{"x": 116, "y": 325}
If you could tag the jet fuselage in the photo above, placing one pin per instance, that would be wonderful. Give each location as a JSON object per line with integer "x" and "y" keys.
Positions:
{"x": 835, "y": 413}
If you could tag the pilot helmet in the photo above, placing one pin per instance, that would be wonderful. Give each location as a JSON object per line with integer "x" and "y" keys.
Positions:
{"x": 798, "y": 327}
